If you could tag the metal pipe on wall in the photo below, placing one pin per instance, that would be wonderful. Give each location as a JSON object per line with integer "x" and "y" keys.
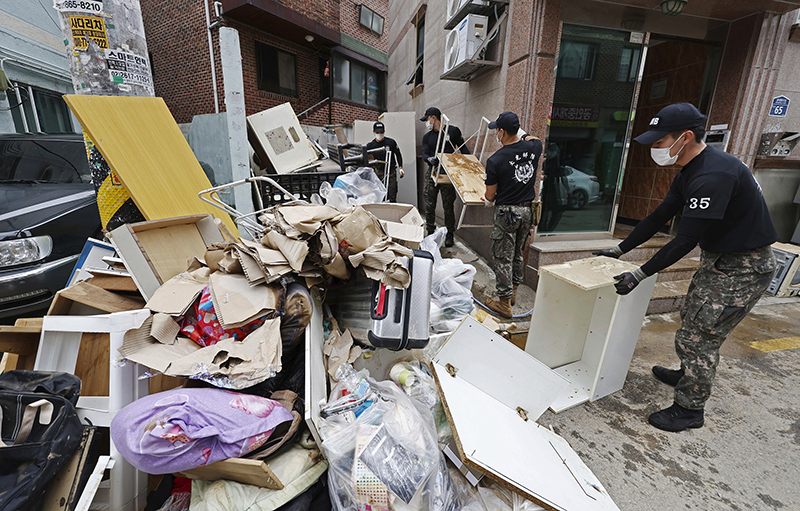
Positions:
{"x": 211, "y": 56}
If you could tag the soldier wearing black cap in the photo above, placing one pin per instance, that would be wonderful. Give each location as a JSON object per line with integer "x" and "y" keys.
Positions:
{"x": 453, "y": 140}
{"x": 378, "y": 129}
{"x": 725, "y": 212}
{"x": 511, "y": 188}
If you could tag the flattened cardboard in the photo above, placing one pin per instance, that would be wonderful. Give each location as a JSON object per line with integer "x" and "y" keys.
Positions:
{"x": 356, "y": 230}
{"x": 402, "y": 222}
{"x": 487, "y": 385}
{"x": 237, "y": 303}
{"x": 179, "y": 293}
{"x": 156, "y": 251}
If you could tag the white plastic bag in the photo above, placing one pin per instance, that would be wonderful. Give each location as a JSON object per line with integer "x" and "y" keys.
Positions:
{"x": 451, "y": 286}
{"x": 361, "y": 186}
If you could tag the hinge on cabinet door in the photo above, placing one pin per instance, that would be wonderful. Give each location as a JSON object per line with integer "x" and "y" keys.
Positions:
{"x": 522, "y": 413}
{"x": 451, "y": 370}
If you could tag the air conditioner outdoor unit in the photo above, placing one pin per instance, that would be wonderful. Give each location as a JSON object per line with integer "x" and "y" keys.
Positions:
{"x": 454, "y": 6}
{"x": 463, "y": 41}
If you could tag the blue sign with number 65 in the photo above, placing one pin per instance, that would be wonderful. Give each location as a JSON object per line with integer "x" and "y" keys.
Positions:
{"x": 780, "y": 105}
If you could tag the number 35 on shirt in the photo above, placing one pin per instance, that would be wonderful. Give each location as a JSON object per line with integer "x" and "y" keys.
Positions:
{"x": 702, "y": 203}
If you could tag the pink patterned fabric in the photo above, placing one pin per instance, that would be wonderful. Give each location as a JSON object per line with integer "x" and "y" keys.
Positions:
{"x": 201, "y": 325}
{"x": 181, "y": 429}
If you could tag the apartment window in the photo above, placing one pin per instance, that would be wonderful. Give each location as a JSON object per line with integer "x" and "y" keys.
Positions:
{"x": 357, "y": 82}
{"x": 276, "y": 70}
{"x": 370, "y": 19}
{"x": 577, "y": 60}
{"x": 34, "y": 109}
{"x": 416, "y": 76}
{"x": 628, "y": 65}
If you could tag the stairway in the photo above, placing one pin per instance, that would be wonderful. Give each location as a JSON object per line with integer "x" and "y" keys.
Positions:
{"x": 672, "y": 283}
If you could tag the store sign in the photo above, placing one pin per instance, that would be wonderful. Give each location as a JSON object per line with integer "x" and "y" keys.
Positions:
{"x": 780, "y": 105}
{"x": 574, "y": 116}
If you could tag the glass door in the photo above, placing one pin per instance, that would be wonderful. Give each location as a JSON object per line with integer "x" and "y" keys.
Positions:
{"x": 597, "y": 74}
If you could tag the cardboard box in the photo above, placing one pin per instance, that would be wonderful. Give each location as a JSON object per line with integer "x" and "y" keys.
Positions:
{"x": 400, "y": 221}
{"x": 156, "y": 251}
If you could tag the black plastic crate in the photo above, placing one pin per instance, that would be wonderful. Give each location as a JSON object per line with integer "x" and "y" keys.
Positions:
{"x": 303, "y": 185}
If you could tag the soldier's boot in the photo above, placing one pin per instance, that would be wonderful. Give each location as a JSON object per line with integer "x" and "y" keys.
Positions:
{"x": 431, "y": 229}
{"x": 668, "y": 376}
{"x": 502, "y": 306}
{"x": 448, "y": 240}
{"x": 514, "y": 296}
{"x": 677, "y": 418}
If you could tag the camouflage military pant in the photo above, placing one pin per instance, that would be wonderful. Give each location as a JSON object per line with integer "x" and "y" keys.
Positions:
{"x": 512, "y": 226}
{"x": 448, "y": 200}
{"x": 722, "y": 292}
{"x": 391, "y": 189}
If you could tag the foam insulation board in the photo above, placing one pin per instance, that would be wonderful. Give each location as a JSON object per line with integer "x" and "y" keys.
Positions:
{"x": 276, "y": 136}
{"x": 144, "y": 146}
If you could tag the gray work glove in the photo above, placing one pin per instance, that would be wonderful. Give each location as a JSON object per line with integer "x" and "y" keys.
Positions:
{"x": 433, "y": 161}
{"x": 609, "y": 252}
{"x": 628, "y": 281}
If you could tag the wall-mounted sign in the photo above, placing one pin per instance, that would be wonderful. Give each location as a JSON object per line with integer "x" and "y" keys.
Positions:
{"x": 780, "y": 105}
{"x": 574, "y": 116}
{"x": 658, "y": 89}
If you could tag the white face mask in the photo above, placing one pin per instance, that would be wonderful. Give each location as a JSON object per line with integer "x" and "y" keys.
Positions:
{"x": 661, "y": 155}
{"x": 378, "y": 136}
{"x": 429, "y": 124}
{"x": 499, "y": 137}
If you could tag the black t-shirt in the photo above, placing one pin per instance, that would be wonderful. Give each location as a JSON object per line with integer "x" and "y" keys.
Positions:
{"x": 513, "y": 169}
{"x": 397, "y": 158}
{"x": 454, "y": 139}
{"x": 717, "y": 186}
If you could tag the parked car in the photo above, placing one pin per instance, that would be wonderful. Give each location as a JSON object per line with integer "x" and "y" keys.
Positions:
{"x": 47, "y": 211}
{"x": 583, "y": 188}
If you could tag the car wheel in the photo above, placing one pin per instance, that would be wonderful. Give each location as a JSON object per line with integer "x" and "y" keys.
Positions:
{"x": 578, "y": 199}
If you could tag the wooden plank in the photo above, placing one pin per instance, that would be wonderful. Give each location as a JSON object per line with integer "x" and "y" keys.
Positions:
{"x": 92, "y": 366}
{"x": 589, "y": 273}
{"x": 28, "y": 322}
{"x": 144, "y": 146}
{"x": 19, "y": 343}
{"x": 114, "y": 282}
{"x": 93, "y": 296}
{"x": 160, "y": 383}
{"x": 241, "y": 470}
{"x": 467, "y": 175}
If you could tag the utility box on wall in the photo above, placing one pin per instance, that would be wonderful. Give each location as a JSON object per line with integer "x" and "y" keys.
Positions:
{"x": 583, "y": 329}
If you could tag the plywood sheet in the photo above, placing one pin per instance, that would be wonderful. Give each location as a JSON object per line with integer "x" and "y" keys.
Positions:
{"x": 589, "y": 273}
{"x": 467, "y": 175}
{"x": 276, "y": 134}
{"x": 144, "y": 146}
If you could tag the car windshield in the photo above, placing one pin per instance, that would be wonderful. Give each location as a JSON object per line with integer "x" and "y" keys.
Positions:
{"x": 43, "y": 161}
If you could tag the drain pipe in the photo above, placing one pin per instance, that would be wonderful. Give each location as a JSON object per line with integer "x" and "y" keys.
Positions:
{"x": 211, "y": 57}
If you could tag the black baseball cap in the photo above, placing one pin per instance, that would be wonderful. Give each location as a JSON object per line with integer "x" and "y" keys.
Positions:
{"x": 507, "y": 121}
{"x": 378, "y": 127}
{"x": 679, "y": 116}
{"x": 432, "y": 110}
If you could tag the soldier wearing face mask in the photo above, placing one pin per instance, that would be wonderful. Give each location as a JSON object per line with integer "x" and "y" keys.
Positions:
{"x": 380, "y": 140}
{"x": 452, "y": 141}
{"x": 725, "y": 212}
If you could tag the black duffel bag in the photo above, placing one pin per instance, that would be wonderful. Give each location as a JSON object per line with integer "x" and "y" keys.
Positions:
{"x": 40, "y": 431}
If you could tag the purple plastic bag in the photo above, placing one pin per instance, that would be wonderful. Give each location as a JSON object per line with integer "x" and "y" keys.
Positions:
{"x": 181, "y": 429}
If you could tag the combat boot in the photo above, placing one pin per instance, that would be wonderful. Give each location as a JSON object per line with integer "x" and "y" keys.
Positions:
{"x": 448, "y": 240}
{"x": 668, "y": 376}
{"x": 677, "y": 418}
{"x": 514, "y": 296}
{"x": 502, "y": 306}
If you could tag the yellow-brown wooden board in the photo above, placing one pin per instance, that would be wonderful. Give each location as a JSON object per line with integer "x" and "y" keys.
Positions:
{"x": 144, "y": 146}
{"x": 467, "y": 175}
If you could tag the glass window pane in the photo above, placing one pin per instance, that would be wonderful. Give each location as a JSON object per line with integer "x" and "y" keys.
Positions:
{"x": 357, "y": 84}
{"x": 341, "y": 77}
{"x": 420, "y": 40}
{"x": 286, "y": 74}
{"x": 365, "y": 17}
{"x": 52, "y": 111}
{"x": 377, "y": 23}
{"x": 373, "y": 89}
{"x": 15, "y": 96}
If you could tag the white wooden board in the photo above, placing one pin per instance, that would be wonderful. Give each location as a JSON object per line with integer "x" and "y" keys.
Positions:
{"x": 536, "y": 462}
{"x": 316, "y": 376}
{"x": 589, "y": 273}
{"x": 500, "y": 369}
{"x": 279, "y": 133}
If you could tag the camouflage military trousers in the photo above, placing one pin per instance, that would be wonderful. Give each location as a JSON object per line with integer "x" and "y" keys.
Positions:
{"x": 391, "y": 189}
{"x": 431, "y": 192}
{"x": 724, "y": 289}
{"x": 512, "y": 226}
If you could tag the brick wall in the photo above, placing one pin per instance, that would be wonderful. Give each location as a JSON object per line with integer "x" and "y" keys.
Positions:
{"x": 325, "y": 12}
{"x": 351, "y": 26}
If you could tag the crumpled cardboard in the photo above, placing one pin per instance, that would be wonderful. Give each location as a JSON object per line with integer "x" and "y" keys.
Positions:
{"x": 356, "y": 231}
{"x": 179, "y": 293}
{"x": 338, "y": 349}
{"x": 222, "y": 256}
{"x": 381, "y": 261}
{"x": 301, "y": 219}
{"x": 294, "y": 251}
{"x": 263, "y": 262}
{"x": 228, "y": 363}
{"x": 402, "y": 222}
{"x": 237, "y": 303}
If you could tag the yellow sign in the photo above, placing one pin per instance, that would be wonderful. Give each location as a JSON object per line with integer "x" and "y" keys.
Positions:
{"x": 88, "y": 27}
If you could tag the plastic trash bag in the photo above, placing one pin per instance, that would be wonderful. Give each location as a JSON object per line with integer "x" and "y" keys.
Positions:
{"x": 451, "y": 286}
{"x": 388, "y": 458}
{"x": 359, "y": 187}
{"x": 416, "y": 380}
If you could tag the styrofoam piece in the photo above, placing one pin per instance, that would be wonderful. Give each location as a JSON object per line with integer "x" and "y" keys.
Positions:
{"x": 59, "y": 345}
{"x": 282, "y": 139}
{"x": 583, "y": 329}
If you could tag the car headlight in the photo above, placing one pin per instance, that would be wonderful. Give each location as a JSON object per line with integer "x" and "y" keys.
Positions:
{"x": 25, "y": 250}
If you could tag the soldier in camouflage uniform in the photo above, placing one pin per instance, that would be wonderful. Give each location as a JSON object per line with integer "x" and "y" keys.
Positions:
{"x": 725, "y": 212}
{"x": 380, "y": 140}
{"x": 511, "y": 185}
